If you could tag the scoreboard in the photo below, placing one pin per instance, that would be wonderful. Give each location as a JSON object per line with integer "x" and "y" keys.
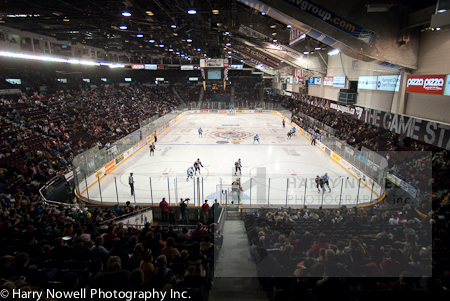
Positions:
{"x": 214, "y": 71}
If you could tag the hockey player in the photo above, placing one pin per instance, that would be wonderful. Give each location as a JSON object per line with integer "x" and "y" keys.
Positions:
{"x": 152, "y": 149}
{"x": 190, "y": 173}
{"x": 256, "y": 138}
{"x": 200, "y": 132}
{"x": 313, "y": 139}
{"x": 325, "y": 178}
{"x": 238, "y": 166}
{"x": 319, "y": 183}
{"x": 293, "y": 130}
{"x": 283, "y": 124}
{"x": 197, "y": 165}
{"x": 289, "y": 134}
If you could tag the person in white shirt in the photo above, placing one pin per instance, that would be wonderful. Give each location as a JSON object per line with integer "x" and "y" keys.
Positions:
{"x": 393, "y": 220}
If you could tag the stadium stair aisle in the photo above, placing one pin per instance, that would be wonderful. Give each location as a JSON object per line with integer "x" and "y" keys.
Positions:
{"x": 178, "y": 96}
{"x": 234, "y": 276}
{"x": 232, "y": 95}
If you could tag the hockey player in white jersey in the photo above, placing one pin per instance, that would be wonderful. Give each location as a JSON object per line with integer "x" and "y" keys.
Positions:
{"x": 190, "y": 173}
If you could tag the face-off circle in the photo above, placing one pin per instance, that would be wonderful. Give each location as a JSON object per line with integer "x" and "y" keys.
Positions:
{"x": 231, "y": 135}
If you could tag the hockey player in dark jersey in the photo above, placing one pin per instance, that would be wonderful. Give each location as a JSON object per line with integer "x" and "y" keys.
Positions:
{"x": 238, "y": 166}
{"x": 197, "y": 165}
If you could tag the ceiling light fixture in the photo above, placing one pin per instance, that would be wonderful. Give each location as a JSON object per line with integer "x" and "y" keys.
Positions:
{"x": 192, "y": 11}
{"x": 242, "y": 60}
{"x": 229, "y": 56}
{"x": 170, "y": 49}
{"x": 443, "y": 10}
{"x": 150, "y": 13}
{"x": 65, "y": 19}
{"x": 188, "y": 40}
{"x": 289, "y": 26}
{"x": 198, "y": 49}
{"x": 215, "y": 11}
{"x": 140, "y": 35}
{"x": 126, "y": 14}
{"x": 151, "y": 41}
{"x": 275, "y": 40}
{"x": 123, "y": 27}
{"x": 182, "y": 54}
{"x": 228, "y": 44}
{"x": 229, "y": 51}
{"x": 274, "y": 33}
{"x": 161, "y": 45}
{"x": 318, "y": 48}
{"x": 263, "y": 13}
{"x": 334, "y": 52}
{"x": 173, "y": 26}
{"x": 227, "y": 32}
{"x": 175, "y": 34}
{"x": 177, "y": 52}
{"x": 273, "y": 26}
{"x": 306, "y": 52}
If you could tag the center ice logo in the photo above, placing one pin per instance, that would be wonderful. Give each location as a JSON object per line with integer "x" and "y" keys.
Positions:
{"x": 232, "y": 135}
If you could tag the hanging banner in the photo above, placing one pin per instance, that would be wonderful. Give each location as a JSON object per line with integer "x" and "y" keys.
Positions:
{"x": 296, "y": 35}
{"x": 257, "y": 55}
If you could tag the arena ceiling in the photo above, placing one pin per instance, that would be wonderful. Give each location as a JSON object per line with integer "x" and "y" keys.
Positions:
{"x": 99, "y": 23}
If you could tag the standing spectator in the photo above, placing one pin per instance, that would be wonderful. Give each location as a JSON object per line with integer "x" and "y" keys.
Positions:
{"x": 164, "y": 206}
{"x": 184, "y": 213}
{"x": 205, "y": 211}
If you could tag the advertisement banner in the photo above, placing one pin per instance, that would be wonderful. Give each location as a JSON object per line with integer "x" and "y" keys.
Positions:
{"x": 137, "y": 67}
{"x": 426, "y": 84}
{"x": 119, "y": 159}
{"x": 367, "y": 83}
{"x": 187, "y": 67}
{"x": 319, "y": 12}
{"x": 296, "y": 35}
{"x": 311, "y": 81}
{"x": 328, "y": 81}
{"x": 336, "y": 157}
{"x": 317, "y": 80}
{"x": 447, "y": 86}
{"x": 151, "y": 67}
{"x": 110, "y": 166}
{"x": 339, "y": 81}
{"x": 426, "y": 131}
{"x": 388, "y": 83}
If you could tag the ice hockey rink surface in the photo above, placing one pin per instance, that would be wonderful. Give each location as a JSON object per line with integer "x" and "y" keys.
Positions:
{"x": 276, "y": 172}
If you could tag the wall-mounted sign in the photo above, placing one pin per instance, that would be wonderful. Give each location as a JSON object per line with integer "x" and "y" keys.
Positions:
{"x": 388, "y": 83}
{"x": 339, "y": 81}
{"x": 367, "y": 83}
{"x": 447, "y": 86}
{"x": 328, "y": 81}
{"x": 187, "y": 67}
{"x": 137, "y": 66}
{"x": 427, "y": 84}
{"x": 237, "y": 67}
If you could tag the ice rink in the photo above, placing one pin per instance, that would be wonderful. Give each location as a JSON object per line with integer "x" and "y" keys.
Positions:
{"x": 276, "y": 172}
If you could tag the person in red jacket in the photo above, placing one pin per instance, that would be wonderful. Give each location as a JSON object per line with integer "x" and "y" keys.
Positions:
{"x": 205, "y": 211}
{"x": 320, "y": 243}
{"x": 164, "y": 210}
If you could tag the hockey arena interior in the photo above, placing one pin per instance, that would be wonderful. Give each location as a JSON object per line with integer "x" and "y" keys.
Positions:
{"x": 224, "y": 150}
